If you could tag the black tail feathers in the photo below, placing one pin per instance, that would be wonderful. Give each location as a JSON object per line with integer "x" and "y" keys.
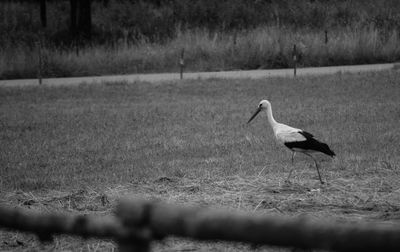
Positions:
{"x": 325, "y": 149}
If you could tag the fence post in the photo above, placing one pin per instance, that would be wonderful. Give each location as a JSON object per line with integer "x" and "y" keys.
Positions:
{"x": 234, "y": 42}
{"x": 326, "y": 36}
{"x": 182, "y": 62}
{"x": 39, "y": 45}
{"x": 76, "y": 45}
{"x": 294, "y": 60}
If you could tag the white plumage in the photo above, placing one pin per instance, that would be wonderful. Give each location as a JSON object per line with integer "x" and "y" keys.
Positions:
{"x": 296, "y": 140}
{"x": 284, "y": 133}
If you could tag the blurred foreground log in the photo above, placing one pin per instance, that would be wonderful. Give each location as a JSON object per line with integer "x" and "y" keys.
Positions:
{"x": 138, "y": 222}
{"x": 205, "y": 224}
{"x": 86, "y": 226}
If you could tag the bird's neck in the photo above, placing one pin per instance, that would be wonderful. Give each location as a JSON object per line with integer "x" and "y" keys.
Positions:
{"x": 271, "y": 119}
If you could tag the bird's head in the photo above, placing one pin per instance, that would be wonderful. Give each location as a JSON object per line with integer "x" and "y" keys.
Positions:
{"x": 263, "y": 105}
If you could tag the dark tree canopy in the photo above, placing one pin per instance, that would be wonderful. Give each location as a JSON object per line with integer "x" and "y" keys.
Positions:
{"x": 107, "y": 21}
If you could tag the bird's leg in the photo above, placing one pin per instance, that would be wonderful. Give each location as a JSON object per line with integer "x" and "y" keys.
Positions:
{"x": 291, "y": 170}
{"x": 290, "y": 173}
{"x": 316, "y": 165}
{"x": 293, "y": 153}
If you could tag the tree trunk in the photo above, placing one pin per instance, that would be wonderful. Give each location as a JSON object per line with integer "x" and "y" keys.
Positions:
{"x": 73, "y": 15}
{"x": 105, "y": 3}
{"x": 43, "y": 14}
{"x": 85, "y": 19}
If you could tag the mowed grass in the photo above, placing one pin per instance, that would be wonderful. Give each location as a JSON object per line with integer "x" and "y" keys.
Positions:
{"x": 73, "y": 137}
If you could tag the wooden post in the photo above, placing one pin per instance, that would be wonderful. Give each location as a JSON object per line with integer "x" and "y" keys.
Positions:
{"x": 278, "y": 23}
{"x": 76, "y": 43}
{"x": 39, "y": 45}
{"x": 234, "y": 42}
{"x": 326, "y": 36}
{"x": 182, "y": 62}
{"x": 294, "y": 60}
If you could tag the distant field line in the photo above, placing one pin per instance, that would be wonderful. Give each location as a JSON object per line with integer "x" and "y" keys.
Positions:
{"x": 160, "y": 77}
{"x": 137, "y": 223}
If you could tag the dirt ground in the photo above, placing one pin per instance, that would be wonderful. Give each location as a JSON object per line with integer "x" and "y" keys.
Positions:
{"x": 164, "y": 77}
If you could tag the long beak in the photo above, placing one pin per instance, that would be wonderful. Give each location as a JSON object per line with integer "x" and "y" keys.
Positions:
{"x": 255, "y": 114}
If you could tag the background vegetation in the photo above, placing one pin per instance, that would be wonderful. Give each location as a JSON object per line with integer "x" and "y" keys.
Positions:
{"x": 148, "y": 36}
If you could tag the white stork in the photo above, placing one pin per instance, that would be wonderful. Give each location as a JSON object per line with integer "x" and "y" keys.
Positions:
{"x": 296, "y": 140}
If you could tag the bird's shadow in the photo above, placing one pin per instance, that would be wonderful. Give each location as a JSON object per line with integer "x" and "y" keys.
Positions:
{"x": 288, "y": 188}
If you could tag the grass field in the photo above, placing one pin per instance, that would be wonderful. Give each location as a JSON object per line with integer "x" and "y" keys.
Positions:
{"x": 78, "y": 149}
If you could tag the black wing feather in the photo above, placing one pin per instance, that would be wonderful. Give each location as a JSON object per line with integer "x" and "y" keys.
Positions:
{"x": 310, "y": 144}
{"x": 306, "y": 134}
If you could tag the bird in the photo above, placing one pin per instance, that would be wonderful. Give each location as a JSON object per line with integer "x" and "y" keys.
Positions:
{"x": 297, "y": 140}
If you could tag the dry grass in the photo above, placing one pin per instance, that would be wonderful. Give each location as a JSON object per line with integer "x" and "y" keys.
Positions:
{"x": 79, "y": 149}
{"x": 343, "y": 200}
